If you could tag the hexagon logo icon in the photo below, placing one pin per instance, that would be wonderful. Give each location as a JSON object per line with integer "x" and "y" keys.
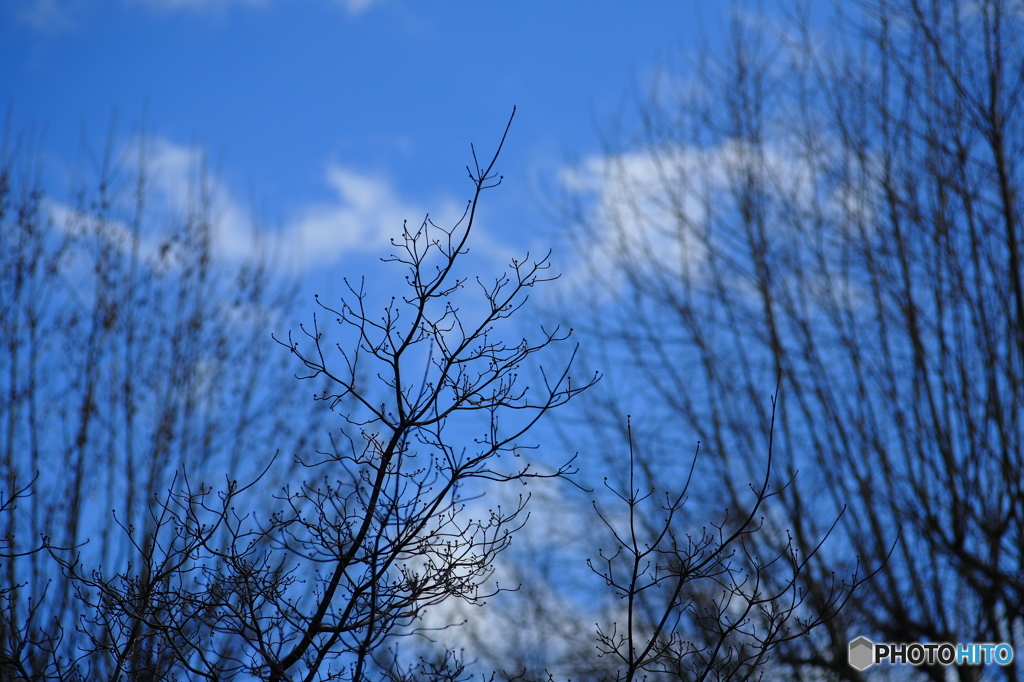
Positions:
{"x": 862, "y": 653}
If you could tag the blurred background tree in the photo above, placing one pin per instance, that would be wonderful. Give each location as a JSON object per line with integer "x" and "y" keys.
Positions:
{"x": 836, "y": 201}
{"x": 132, "y": 352}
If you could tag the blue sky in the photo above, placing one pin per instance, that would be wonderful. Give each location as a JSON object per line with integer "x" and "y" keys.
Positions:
{"x": 340, "y": 118}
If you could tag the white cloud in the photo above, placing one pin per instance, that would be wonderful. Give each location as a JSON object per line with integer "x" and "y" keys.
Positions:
{"x": 361, "y": 218}
{"x": 176, "y": 189}
{"x": 178, "y": 182}
{"x": 357, "y": 6}
{"x": 641, "y": 209}
{"x": 365, "y": 216}
{"x": 354, "y": 7}
{"x": 661, "y": 214}
{"x": 365, "y": 213}
{"x": 198, "y": 4}
{"x": 47, "y": 16}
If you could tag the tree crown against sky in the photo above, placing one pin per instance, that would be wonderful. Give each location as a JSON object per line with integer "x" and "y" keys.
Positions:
{"x": 139, "y": 372}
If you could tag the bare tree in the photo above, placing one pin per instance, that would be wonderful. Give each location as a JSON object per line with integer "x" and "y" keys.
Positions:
{"x": 839, "y": 206}
{"x": 392, "y": 520}
{"x": 706, "y": 604}
{"x": 131, "y": 352}
{"x": 324, "y": 579}
{"x": 685, "y": 591}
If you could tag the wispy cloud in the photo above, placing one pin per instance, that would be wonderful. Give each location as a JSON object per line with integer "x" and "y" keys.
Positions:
{"x": 353, "y": 7}
{"x": 198, "y": 4}
{"x": 642, "y": 209}
{"x": 663, "y": 214}
{"x": 177, "y": 189}
{"x": 358, "y": 6}
{"x": 47, "y": 16}
{"x": 365, "y": 215}
{"x": 59, "y": 16}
